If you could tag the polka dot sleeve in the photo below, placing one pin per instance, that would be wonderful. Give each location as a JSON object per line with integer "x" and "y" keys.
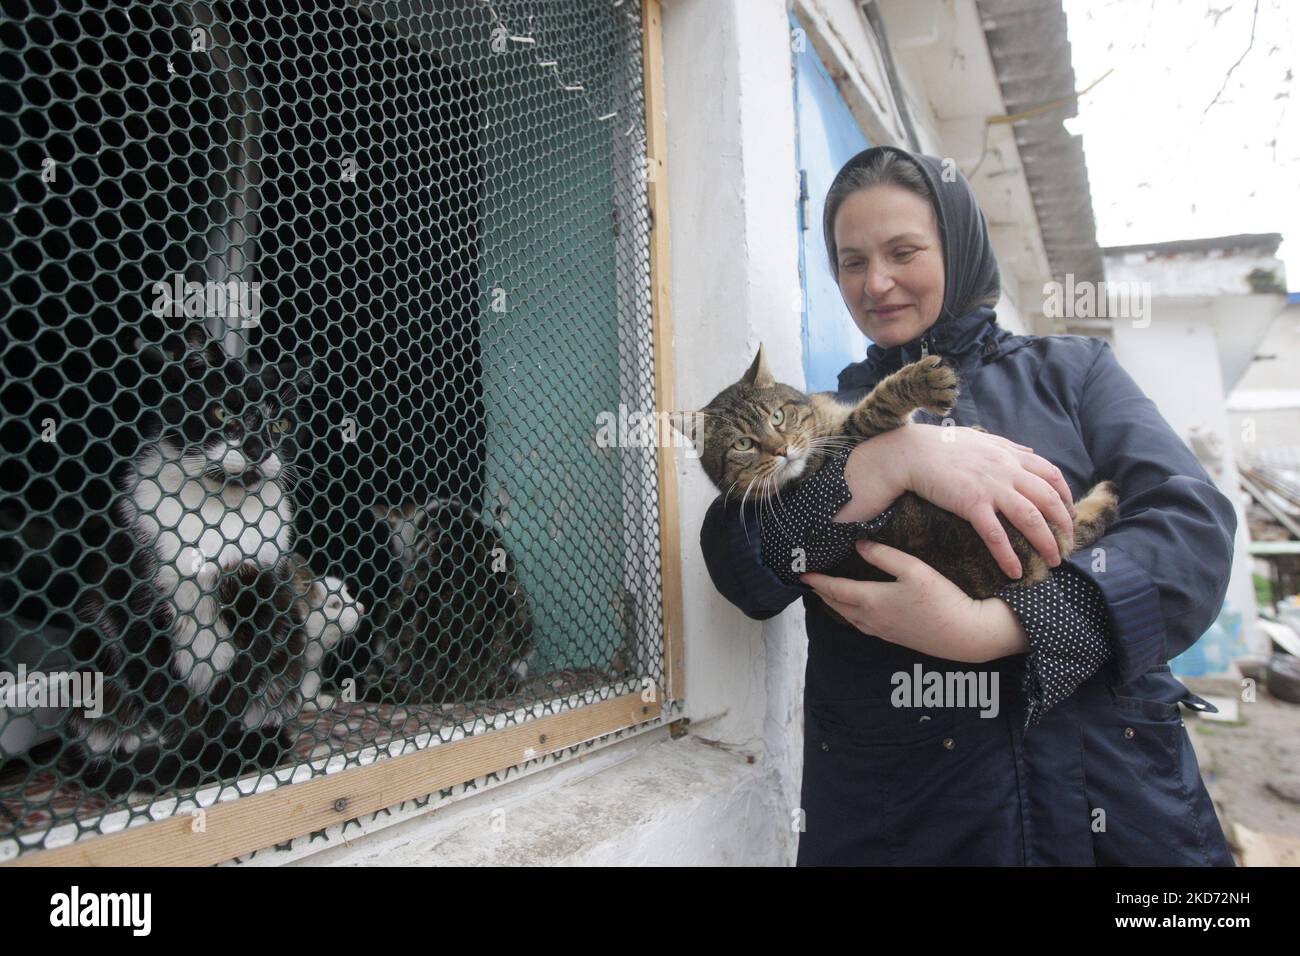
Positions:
{"x": 1068, "y": 627}
{"x": 799, "y": 532}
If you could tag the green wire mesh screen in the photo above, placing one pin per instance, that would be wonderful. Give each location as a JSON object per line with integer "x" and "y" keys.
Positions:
{"x": 310, "y": 310}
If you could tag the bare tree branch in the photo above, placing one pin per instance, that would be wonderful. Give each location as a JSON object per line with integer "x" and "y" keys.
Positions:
{"x": 1253, "y": 20}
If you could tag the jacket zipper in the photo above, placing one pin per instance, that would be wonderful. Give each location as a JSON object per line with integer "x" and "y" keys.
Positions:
{"x": 925, "y": 345}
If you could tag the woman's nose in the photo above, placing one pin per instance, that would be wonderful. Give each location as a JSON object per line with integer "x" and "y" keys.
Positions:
{"x": 879, "y": 282}
{"x": 879, "y": 285}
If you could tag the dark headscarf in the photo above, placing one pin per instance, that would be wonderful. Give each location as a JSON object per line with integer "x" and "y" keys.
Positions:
{"x": 969, "y": 265}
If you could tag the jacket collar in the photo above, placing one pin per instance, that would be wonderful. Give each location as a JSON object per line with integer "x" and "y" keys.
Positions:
{"x": 959, "y": 340}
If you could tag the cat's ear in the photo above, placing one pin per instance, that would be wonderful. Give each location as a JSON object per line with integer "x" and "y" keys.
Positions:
{"x": 690, "y": 425}
{"x": 757, "y": 374}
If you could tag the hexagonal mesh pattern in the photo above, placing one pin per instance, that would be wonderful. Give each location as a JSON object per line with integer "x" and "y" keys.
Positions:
{"x": 311, "y": 309}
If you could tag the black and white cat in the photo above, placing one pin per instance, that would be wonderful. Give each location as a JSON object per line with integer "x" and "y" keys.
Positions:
{"x": 278, "y": 624}
{"x": 200, "y": 623}
{"x": 329, "y": 613}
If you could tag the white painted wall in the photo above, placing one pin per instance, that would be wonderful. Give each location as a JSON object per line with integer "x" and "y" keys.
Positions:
{"x": 1275, "y": 376}
{"x": 1239, "y": 318}
{"x": 1213, "y": 272}
{"x": 733, "y": 196}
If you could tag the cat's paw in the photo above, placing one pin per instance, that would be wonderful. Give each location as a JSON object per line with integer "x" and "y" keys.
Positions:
{"x": 1101, "y": 502}
{"x": 935, "y": 384}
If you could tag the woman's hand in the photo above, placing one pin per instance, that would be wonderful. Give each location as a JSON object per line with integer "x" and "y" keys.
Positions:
{"x": 971, "y": 473}
{"x": 922, "y": 610}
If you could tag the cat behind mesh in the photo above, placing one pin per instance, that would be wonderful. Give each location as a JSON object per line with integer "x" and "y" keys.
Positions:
{"x": 251, "y": 662}
{"x": 195, "y": 619}
{"x": 761, "y": 438}
{"x": 458, "y": 625}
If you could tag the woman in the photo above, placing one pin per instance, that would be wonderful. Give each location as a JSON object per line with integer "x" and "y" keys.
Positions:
{"x": 1070, "y": 749}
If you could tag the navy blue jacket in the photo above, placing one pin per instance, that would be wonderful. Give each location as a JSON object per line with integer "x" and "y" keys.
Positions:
{"x": 1109, "y": 777}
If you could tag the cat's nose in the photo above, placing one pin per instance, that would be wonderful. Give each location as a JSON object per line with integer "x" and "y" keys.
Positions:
{"x": 782, "y": 450}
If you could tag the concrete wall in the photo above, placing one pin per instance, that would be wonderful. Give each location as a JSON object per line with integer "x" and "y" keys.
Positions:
{"x": 1272, "y": 379}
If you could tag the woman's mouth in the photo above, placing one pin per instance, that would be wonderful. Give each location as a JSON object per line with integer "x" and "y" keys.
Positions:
{"x": 891, "y": 310}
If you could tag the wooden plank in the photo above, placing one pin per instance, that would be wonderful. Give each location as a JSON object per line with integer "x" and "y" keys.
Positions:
{"x": 670, "y": 554}
{"x": 251, "y": 823}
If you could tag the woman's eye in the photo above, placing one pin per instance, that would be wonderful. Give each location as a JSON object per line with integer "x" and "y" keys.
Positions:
{"x": 906, "y": 254}
{"x": 778, "y": 417}
{"x": 743, "y": 444}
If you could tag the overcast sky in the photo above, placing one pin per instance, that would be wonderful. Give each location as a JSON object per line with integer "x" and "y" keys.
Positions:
{"x": 1161, "y": 166}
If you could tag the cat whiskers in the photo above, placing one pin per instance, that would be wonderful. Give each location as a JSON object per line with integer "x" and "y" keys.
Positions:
{"x": 832, "y": 441}
{"x": 762, "y": 498}
{"x": 772, "y": 498}
{"x": 743, "y": 497}
{"x": 292, "y": 474}
{"x": 824, "y": 448}
{"x": 778, "y": 507}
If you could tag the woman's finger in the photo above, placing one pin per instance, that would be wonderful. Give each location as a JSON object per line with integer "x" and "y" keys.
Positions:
{"x": 828, "y": 588}
{"x": 1052, "y": 475}
{"x": 1028, "y": 518}
{"x": 986, "y": 524}
{"x": 890, "y": 560}
{"x": 1047, "y": 499}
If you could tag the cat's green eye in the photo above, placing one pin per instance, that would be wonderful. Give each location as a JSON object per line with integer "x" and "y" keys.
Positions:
{"x": 743, "y": 444}
{"x": 778, "y": 417}
{"x": 219, "y": 414}
{"x": 281, "y": 426}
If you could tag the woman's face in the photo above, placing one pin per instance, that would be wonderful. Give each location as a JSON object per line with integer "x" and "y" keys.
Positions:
{"x": 890, "y": 255}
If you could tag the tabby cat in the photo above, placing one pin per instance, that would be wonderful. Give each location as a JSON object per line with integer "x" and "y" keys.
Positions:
{"x": 761, "y": 438}
{"x": 458, "y": 625}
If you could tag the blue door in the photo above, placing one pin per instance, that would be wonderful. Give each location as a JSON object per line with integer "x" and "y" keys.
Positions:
{"x": 827, "y": 136}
